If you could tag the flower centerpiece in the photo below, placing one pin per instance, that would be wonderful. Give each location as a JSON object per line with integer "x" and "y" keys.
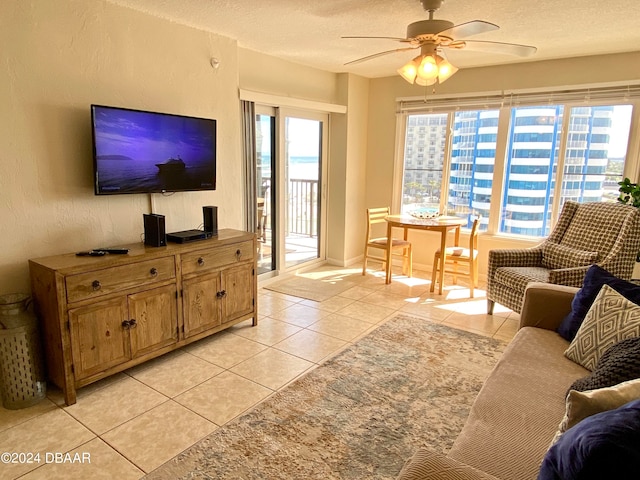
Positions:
{"x": 425, "y": 213}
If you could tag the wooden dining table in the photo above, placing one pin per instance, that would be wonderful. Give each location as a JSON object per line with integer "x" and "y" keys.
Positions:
{"x": 443, "y": 224}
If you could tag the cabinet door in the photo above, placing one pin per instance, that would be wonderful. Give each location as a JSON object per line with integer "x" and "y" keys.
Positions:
{"x": 153, "y": 319}
{"x": 201, "y": 303}
{"x": 237, "y": 285}
{"x": 98, "y": 338}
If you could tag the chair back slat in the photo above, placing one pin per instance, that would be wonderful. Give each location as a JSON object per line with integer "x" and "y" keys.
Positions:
{"x": 473, "y": 236}
{"x": 377, "y": 215}
{"x": 469, "y": 258}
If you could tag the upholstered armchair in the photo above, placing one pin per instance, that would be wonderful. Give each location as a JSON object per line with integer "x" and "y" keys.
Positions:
{"x": 607, "y": 234}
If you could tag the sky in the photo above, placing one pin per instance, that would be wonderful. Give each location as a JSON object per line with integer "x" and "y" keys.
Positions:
{"x": 303, "y": 137}
{"x": 620, "y": 125}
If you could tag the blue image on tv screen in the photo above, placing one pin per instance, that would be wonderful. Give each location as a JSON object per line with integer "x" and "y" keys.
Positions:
{"x": 146, "y": 152}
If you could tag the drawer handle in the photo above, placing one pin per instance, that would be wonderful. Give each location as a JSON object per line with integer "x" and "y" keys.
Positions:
{"x": 96, "y": 285}
{"x": 200, "y": 261}
{"x": 153, "y": 272}
{"x": 126, "y": 324}
{"x": 238, "y": 254}
{"x": 133, "y": 323}
{"x": 221, "y": 294}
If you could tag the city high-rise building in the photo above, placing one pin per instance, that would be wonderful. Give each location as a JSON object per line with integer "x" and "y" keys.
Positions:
{"x": 532, "y": 158}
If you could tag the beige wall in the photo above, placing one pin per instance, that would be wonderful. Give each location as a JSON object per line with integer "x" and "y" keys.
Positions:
{"x": 357, "y": 164}
{"x": 59, "y": 57}
{"x": 266, "y": 74}
{"x": 337, "y": 172}
{"x": 347, "y": 172}
{"x": 382, "y": 118}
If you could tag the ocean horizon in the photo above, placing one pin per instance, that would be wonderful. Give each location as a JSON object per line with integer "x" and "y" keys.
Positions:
{"x": 300, "y": 167}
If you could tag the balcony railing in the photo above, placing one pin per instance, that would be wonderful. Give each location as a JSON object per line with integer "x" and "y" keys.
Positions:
{"x": 302, "y": 207}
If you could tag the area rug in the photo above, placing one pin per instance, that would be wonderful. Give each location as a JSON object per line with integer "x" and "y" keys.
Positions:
{"x": 360, "y": 415}
{"x": 309, "y": 288}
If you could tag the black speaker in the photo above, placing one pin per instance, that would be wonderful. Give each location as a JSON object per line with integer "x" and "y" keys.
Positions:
{"x": 210, "y": 215}
{"x": 154, "y": 232}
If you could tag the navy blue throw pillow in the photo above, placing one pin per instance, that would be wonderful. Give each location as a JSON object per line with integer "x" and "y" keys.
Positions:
{"x": 605, "y": 445}
{"x": 594, "y": 279}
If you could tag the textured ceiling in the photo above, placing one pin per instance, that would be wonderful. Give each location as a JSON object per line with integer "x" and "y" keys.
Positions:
{"x": 309, "y": 32}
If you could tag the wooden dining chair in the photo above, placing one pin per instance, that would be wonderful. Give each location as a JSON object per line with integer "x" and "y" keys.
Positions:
{"x": 460, "y": 255}
{"x": 399, "y": 247}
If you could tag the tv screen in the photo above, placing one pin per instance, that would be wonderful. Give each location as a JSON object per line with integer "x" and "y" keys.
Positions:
{"x": 145, "y": 152}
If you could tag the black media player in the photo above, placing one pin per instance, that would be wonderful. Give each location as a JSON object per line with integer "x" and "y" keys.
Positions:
{"x": 187, "y": 236}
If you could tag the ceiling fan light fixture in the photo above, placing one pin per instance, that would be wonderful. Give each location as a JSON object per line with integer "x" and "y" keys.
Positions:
{"x": 423, "y": 82}
{"x": 428, "y": 69}
{"x": 433, "y": 37}
{"x": 410, "y": 70}
{"x": 445, "y": 70}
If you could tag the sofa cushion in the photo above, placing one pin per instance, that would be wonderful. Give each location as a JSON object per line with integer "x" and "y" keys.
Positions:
{"x": 556, "y": 256}
{"x": 428, "y": 464}
{"x": 605, "y": 445}
{"x": 610, "y": 319}
{"x": 581, "y": 405}
{"x": 517, "y": 411}
{"x": 593, "y": 281}
{"x": 621, "y": 362}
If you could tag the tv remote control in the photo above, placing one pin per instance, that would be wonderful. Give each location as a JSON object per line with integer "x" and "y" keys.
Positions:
{"x": 115, "y": 251}
{"x": 91, "y": 253}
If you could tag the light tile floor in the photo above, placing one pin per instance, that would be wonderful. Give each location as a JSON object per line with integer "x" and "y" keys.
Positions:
{"x": 133, "y": 422}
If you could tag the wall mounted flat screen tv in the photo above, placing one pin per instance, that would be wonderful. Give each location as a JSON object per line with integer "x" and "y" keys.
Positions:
{"x": 135, "y": 151}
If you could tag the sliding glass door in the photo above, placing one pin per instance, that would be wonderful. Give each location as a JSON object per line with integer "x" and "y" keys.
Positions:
{"x": 302, "y": 189}
{"x": 290, "y": 171}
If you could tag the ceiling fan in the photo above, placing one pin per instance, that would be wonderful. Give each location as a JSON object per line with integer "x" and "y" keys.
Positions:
{"x": 433, "y": 36}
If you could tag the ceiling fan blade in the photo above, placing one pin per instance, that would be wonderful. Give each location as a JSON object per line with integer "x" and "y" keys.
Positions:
{"x": 494, "y": 47}
{"x": 468, "y": 29}
{"x": 379, "y": 54}
{"x": 399, "y": 39}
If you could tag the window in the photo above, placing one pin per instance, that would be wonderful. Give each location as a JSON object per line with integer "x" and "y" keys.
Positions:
{"x": 422, "y": 184}
{"x": 548, "y": 159}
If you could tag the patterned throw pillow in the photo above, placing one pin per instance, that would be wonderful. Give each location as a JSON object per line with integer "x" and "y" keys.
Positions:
{"x": 610, "y": 319}
{"x": 595, "y": 278}
{"x": 556, "y": 256}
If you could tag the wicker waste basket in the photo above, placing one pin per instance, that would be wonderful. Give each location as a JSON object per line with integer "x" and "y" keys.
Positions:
{"x": 22, "y": 379}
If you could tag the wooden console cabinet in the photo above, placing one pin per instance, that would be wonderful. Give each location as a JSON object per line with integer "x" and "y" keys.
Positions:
{"x": 102, "y": 315}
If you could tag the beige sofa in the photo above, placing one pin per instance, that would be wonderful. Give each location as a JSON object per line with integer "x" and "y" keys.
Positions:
{"x": 521, "y": 404}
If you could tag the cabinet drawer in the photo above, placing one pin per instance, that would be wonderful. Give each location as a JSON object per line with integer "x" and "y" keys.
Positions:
{"x": 102, "y": 282}
{"x": 206, "y": 260}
